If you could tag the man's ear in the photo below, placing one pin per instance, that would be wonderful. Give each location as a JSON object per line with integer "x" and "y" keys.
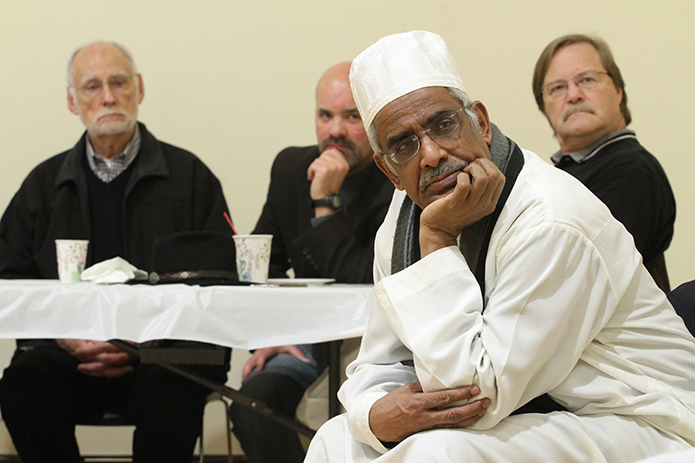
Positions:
{"x": 386, "y": 168}
{"x": 72, "y": 104}
{"x": 483, "y": 121}
{"x": 141, "y": 88}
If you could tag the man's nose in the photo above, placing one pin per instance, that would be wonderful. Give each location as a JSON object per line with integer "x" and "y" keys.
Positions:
{"x": 338, "y": 128}
{"x": 107, "y": 95}
{"x": 431, "y": 153}
{"x": 574, "y": 93}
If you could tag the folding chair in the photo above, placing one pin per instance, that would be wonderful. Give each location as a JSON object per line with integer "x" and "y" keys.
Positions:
{"x": 114, "y": 419}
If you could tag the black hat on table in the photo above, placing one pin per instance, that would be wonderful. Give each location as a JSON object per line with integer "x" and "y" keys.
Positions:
{"x": 197, "y": 258}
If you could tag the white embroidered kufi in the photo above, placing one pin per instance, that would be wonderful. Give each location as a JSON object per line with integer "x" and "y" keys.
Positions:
{"x": 397, "y": 65}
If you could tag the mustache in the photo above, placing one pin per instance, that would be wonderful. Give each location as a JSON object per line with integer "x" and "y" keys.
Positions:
{"x": 573, "y": 108}
{"x": 111, "y": 112}
{"x": 346, "y": 142}
{"x": 435, "y": 172}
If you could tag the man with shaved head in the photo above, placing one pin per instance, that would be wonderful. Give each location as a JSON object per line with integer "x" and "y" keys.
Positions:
{"x": 121, "y": 189}
{"x": 323, "y": 208}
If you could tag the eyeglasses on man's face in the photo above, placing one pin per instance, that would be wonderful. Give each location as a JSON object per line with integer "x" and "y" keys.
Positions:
{"x": 586, "y": 80}
{"x": 443, "y": 130}
{"x": 118, "y": 84}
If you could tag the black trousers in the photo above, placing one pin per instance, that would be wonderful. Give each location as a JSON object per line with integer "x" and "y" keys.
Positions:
{"x": 43, "y": 396}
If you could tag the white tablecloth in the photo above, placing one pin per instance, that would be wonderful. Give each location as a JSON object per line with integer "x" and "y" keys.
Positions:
{"x": 245, "y": 317}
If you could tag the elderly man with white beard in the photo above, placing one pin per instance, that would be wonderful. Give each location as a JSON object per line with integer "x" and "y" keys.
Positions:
{"x": 121, "y": 189}
{"x": 512, "y": 317}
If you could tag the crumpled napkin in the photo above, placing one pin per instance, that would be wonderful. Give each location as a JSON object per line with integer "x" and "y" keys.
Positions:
{"x": 116, "y": 270}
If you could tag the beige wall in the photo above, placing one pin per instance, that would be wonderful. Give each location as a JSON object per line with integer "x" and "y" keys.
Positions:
{"x": 234, "y": 81}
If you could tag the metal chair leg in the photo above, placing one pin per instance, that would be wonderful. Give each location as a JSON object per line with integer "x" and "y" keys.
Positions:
{"x": 230, "y": 456}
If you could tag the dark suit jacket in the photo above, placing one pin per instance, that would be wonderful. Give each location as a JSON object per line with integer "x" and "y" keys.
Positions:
{"x": 341, "y": 247}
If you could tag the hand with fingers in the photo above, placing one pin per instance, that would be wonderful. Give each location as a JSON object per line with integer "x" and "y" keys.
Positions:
{"x": 100, "y": 359}
{"x": 475, "y": 196}
{"x": 261, "y": 356}
{"x": 408, "y": 410}
{"x": 327, "y": 173}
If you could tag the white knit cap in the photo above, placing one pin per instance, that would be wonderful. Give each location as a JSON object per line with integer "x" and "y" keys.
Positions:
{"x": 397, "y": 65}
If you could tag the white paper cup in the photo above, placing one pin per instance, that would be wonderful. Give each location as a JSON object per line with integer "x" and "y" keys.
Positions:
{"x": 71, "y": 255}
{"x": 253, "y": 257}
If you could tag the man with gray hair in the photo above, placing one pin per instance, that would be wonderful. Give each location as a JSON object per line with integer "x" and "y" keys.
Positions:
{"x": 512, "y": 319}
{"x": 121, "y": 189}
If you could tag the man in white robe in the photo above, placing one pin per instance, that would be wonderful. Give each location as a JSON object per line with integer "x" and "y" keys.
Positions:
{"x": 513, "y": 319}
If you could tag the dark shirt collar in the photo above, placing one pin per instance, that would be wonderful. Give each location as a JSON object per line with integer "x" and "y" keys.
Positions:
{"x": 590, "y": 151}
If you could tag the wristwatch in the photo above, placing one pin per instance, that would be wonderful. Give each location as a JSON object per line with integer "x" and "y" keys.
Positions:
{"x": 332, "y": 201}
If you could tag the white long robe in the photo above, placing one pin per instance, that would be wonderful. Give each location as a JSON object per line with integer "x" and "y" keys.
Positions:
{"x": 569, "y": 310}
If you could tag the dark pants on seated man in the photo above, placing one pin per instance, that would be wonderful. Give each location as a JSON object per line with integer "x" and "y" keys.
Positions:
{"x": 41, "y": 405}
